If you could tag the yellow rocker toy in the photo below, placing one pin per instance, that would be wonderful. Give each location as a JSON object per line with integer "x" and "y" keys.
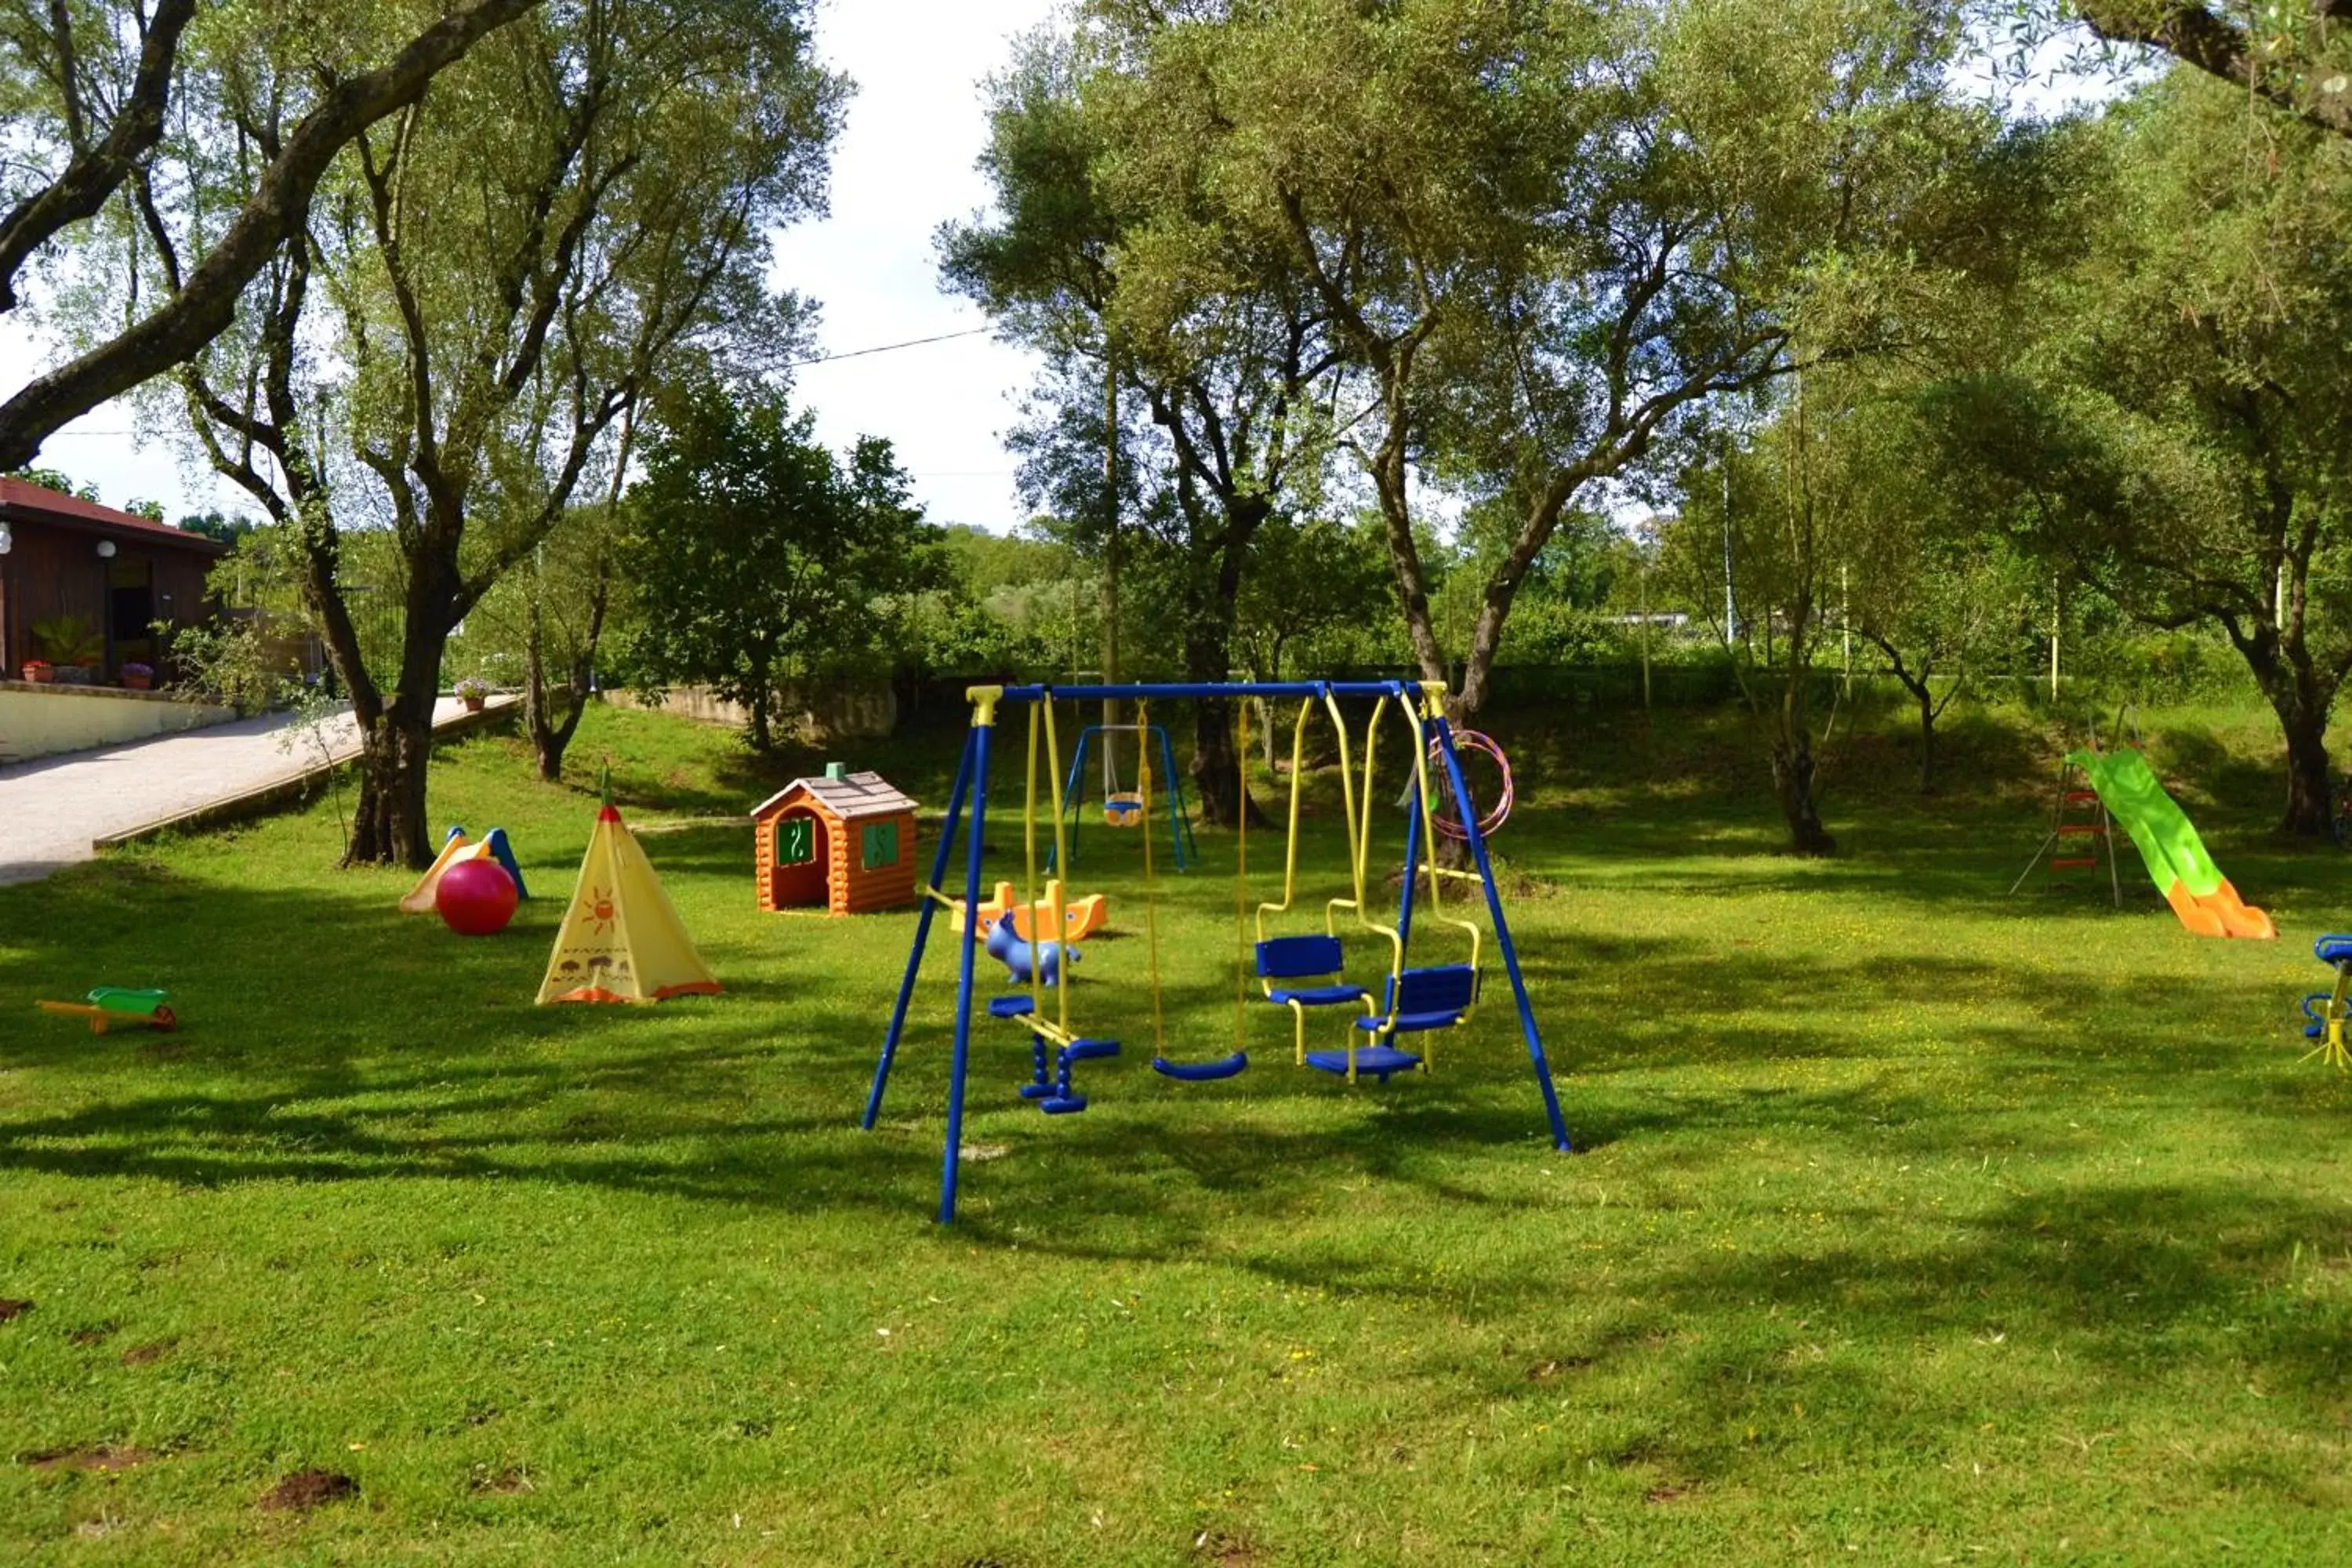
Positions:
{"x": 1079, "y": 920}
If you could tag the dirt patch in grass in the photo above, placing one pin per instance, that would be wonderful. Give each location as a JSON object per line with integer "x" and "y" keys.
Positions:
{"x": 1545, "y": 1370}
{"x": 97, "y": 1336}
{"x": 1668, "y": 1492}
{"x": 305, "y": 1490}
{"x": 12, "y": 1308}
{"x": 106, "y": 1459}
{"x": 1226, "y": 1550}
{"x": 146, "y": 1355}
{"x": 506, "y": 1482}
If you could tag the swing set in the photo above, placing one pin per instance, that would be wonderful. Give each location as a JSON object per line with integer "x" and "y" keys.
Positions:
{"x": 1300, "y": 972}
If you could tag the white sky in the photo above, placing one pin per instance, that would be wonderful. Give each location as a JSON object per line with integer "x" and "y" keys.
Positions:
{"x": 902, "y": 166}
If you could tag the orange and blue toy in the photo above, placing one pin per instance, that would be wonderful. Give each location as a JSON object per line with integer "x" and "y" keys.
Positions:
{"x": 455, "y": 850}
{"x": 2327, "y": 1023}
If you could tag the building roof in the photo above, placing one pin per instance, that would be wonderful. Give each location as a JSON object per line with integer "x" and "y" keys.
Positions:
{"x": 29, "y": 502}
{"x": 859, "y": 794}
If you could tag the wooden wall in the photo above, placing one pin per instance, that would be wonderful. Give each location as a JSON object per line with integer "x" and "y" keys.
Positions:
{"x": 51, "y": 572}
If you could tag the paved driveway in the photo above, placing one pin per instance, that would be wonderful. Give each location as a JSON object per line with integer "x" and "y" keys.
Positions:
{"x": 52, "y": 807}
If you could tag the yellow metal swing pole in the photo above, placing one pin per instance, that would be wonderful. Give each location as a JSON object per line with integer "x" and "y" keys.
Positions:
{"x": 1059, "y": 1031}
{"x": 1151, "y": 888}
{"x": 1061, "y": 863}
{"x": 1241, "y": 882}
{"x": 1431, "y": 707}
{"x": 1367, "y": 804}
{"x": 1029, "y": 874}
{"x": 1290, "y": 851}
{"x": 1348, "y": 806}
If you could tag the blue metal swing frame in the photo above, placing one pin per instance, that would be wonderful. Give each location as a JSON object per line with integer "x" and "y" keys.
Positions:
{"x": 966, "y": 815}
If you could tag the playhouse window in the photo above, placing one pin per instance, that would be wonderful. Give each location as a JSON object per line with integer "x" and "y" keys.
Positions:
{"x": 795, "y": 840}
{"x": 881, "y": 845}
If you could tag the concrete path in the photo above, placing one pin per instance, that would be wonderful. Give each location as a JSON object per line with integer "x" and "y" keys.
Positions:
{"x": 52, "y": 808}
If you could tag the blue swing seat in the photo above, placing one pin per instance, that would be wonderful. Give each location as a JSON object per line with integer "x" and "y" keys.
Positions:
{"x": 1371, "y": 1061}
{"x": 1307, "y": 958}
{"x": 1200, "y": 1072}
{"x": 1431, "y": 998}
{"x": 1009, "y": 1006}
{"x": 2335, "y": 949}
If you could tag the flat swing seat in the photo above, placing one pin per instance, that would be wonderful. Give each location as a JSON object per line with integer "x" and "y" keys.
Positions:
{"x": 1009, "y": 1006}
{"x": 1408, "y": 1023}
{"x": 1318, "y": 995}
{"x": 1371, "y": 1061}
{"x": 1203, "y": 1072}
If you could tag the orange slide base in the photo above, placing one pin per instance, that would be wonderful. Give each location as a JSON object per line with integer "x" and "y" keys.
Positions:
{"x": 2219, "y": 913}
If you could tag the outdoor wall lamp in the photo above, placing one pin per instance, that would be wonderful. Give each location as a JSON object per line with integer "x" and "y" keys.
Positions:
{"x": 106, "y": 550}
{"x": 7, "y": 539}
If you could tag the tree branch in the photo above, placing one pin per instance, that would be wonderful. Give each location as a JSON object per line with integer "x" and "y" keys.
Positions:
{"x": 276, "y": 210}
{"x": 94, "y": 174}
{"x": 2195, "y": 35}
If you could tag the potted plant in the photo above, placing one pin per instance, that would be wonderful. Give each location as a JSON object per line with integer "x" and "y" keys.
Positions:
{"x": 39, "y": 671}
{"x": 72, "y": 645}
{"x": 473, "y": 691}
{"x": 137, "y": 677}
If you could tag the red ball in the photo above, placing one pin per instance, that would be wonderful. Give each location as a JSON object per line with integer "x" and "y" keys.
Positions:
{"x": 475, "y": 898}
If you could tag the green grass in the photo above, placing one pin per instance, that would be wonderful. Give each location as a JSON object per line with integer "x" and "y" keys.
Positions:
{"x": 1910, "y": 1223}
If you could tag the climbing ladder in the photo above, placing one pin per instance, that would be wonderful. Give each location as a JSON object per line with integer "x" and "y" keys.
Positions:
{"x": 2081, "y": 839}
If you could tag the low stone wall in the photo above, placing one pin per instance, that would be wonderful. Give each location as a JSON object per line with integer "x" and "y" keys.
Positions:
{"x": 818, "y": 716}
{"x": 44, "y": 721}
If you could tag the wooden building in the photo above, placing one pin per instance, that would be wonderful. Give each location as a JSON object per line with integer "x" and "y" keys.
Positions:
{"x": 116, "y": 572}
{"x": 846, "y": 841}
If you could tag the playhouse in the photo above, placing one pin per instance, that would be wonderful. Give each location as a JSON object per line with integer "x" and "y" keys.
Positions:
{"x": 846, "y": 841}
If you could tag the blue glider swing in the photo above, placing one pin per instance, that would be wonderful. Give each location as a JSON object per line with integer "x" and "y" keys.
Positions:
{"x": 1298, "y": 972}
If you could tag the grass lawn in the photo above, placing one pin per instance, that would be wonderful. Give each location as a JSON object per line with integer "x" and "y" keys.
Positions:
{"x": 1910, "y": 1223}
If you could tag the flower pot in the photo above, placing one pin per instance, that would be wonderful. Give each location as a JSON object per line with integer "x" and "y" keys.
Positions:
{"x": 38, "y": 672}
{"x": 473, "y": 704}
{"x": 138, "y": 682}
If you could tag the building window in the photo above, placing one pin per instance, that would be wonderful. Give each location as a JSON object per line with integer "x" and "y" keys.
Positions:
{"x": 881, "y": 845}
{"x": 795, "y": 840}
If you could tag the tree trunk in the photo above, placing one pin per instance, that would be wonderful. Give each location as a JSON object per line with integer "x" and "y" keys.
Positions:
{"x": 2301, "y": 695}
{"x": 1792, "y": 780}
{"x": 1927, "y": 741}
{"x": 762, "y": 737}
{"x": 1792, "y": 747}
{"x": 2310, "y": 806}
{"x": 388, "y": 828}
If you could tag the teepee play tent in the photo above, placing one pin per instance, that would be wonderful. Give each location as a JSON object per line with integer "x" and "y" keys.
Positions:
{"x": 620, "y": 940}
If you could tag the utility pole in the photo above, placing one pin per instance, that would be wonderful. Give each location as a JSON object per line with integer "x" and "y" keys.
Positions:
{"x": 1845, "y": 624}
{"x": 1645, "y": 624}
{"x": 1730, "y": 611}
{"x": 2056, "y": 615}
{"x": 1110, "y": 558}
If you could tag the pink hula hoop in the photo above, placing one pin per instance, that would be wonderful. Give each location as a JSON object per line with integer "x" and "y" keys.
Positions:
{"x": 1472, "y": 740}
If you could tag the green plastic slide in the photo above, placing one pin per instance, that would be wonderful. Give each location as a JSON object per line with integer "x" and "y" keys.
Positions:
{"x": 2168, "y": 842}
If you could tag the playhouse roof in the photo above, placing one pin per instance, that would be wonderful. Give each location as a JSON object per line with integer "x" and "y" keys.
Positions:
{"x": 859, "y": 794}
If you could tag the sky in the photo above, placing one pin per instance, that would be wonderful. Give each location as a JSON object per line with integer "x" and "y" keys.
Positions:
{"x": 902, "y": 166}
